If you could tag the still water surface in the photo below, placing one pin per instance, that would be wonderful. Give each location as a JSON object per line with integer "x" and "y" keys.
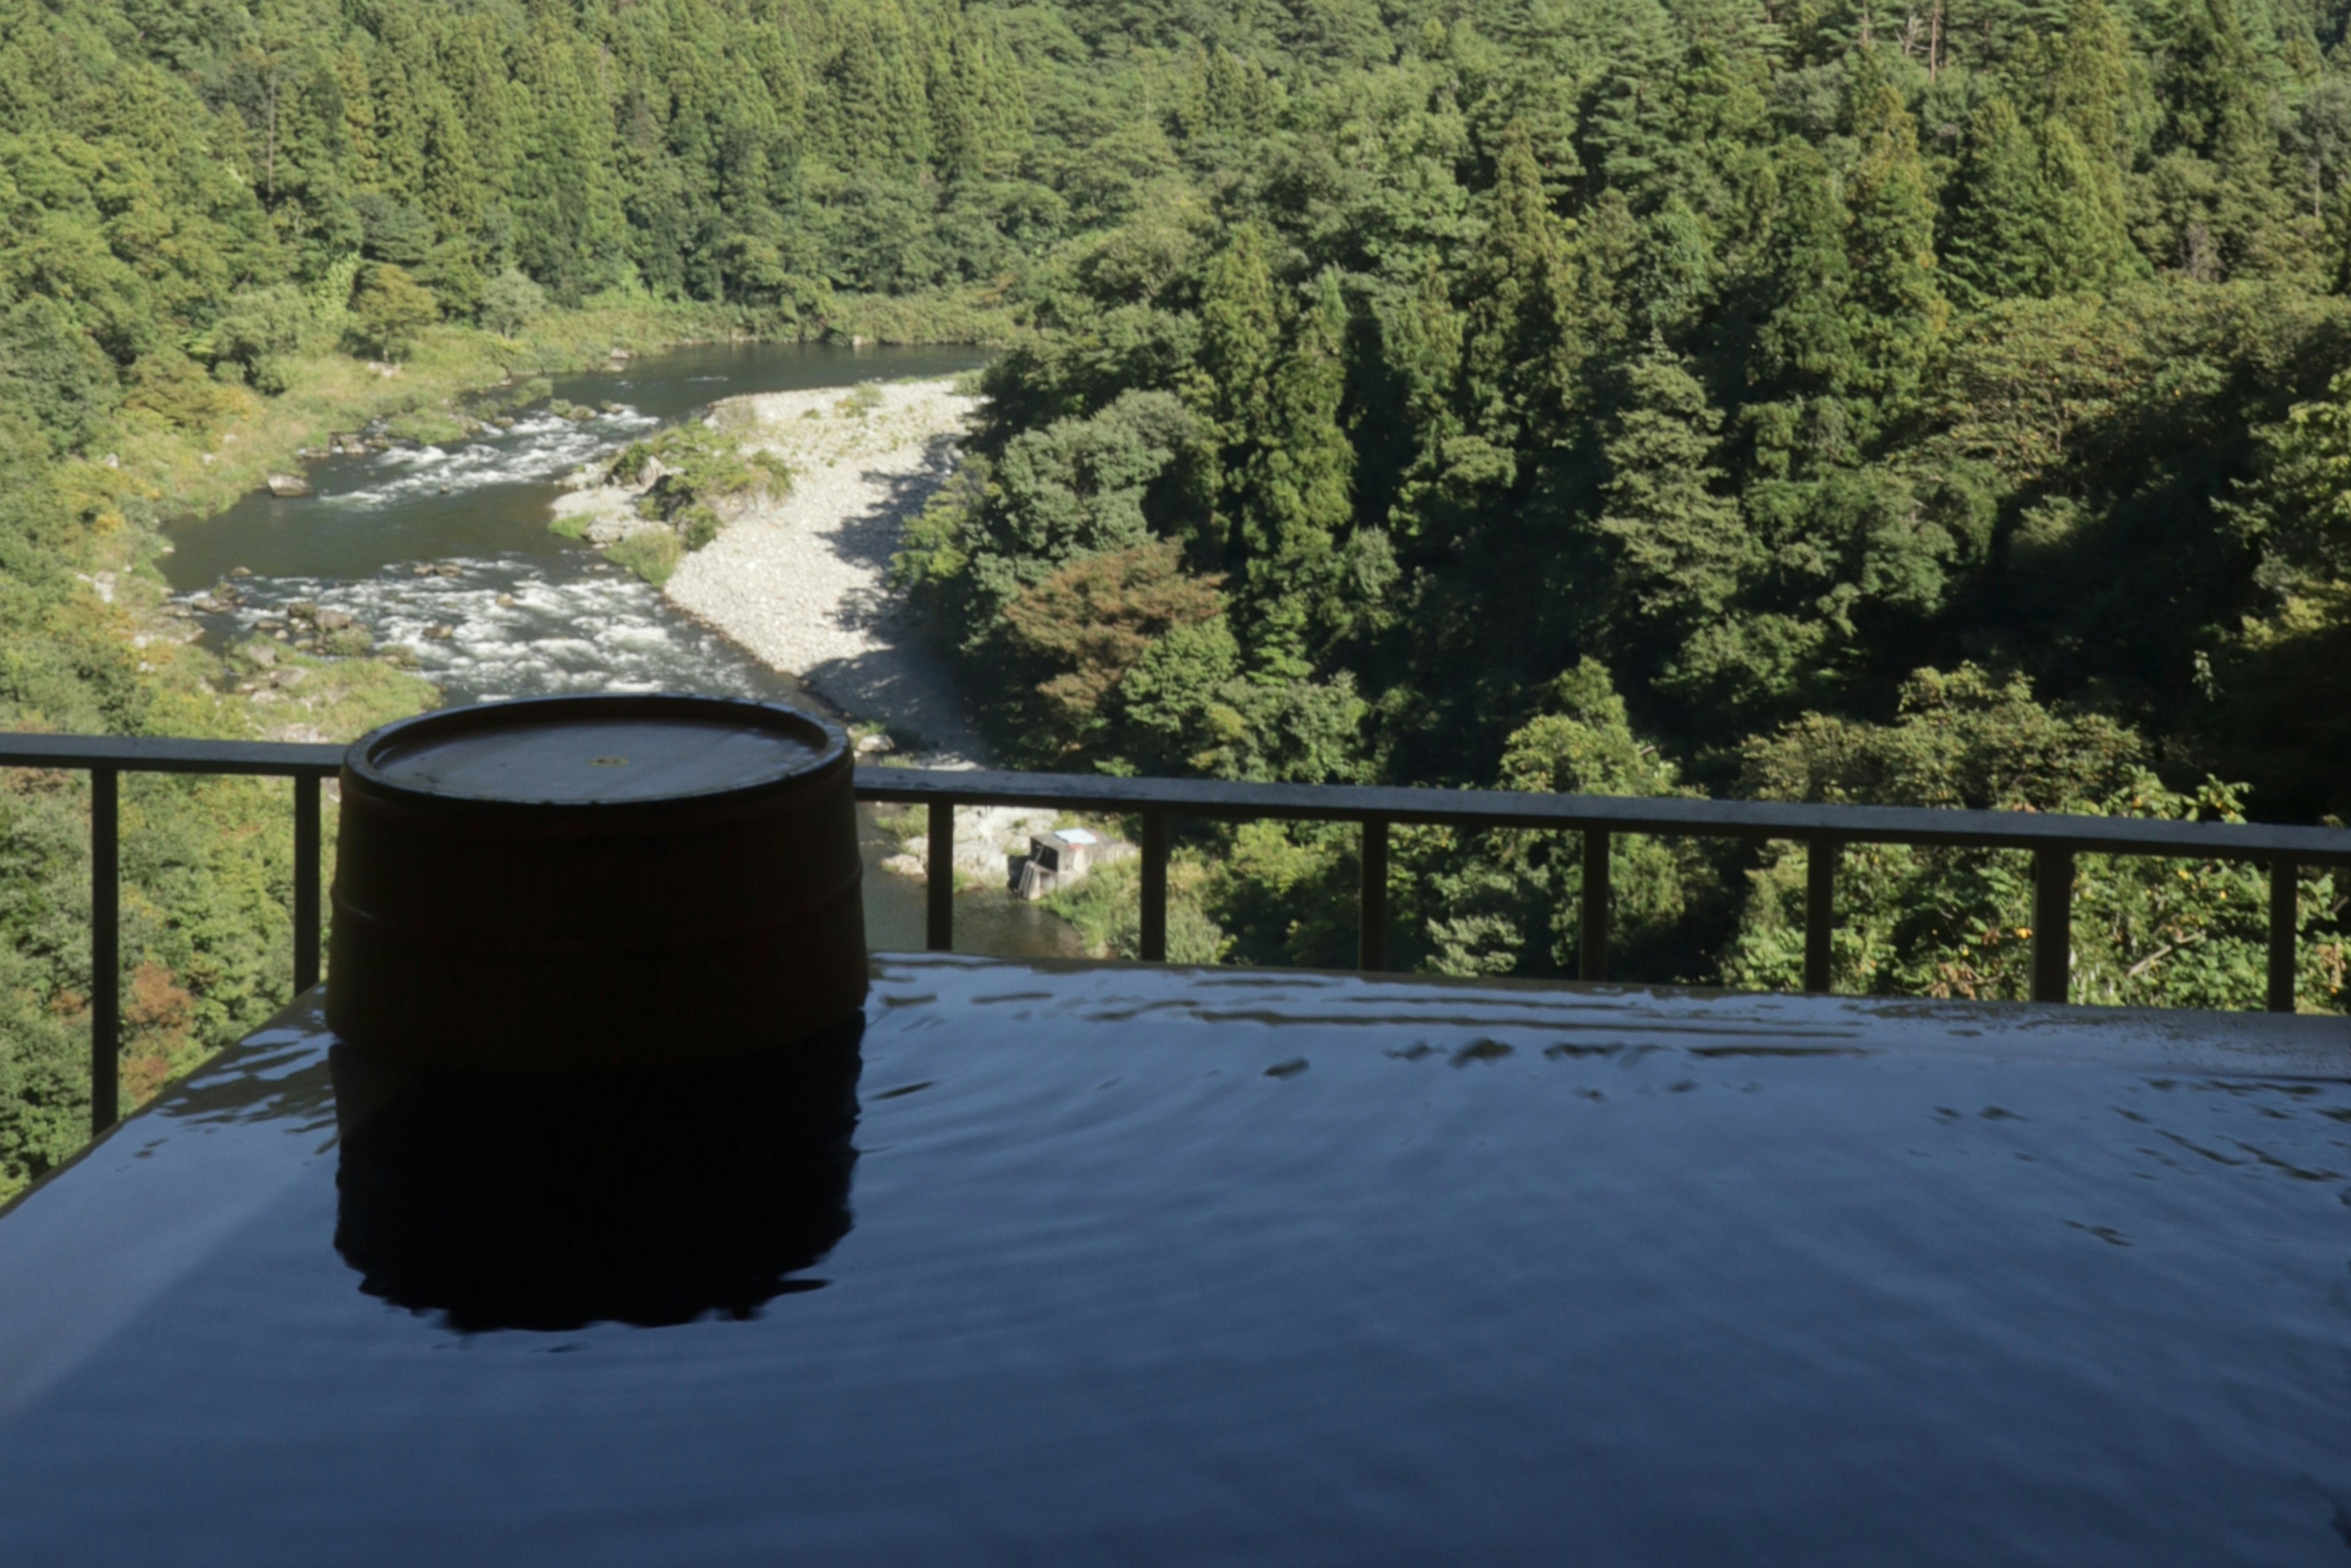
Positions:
{"x": 1146, "y": 1267}
{"x": 509, "y": 610}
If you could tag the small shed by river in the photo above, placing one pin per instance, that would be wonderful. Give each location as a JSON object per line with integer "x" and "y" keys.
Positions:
{"x": 1058, "y": 859}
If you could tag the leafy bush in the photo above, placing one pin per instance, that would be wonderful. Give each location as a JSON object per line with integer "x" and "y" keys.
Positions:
{"x": 392, "y": 309}
{"x": 1106, "y": 908}
{"x": 258, "y": 331}
{"x": 652, "y": 553}
{"x": 511, "y": 301}
{"x": 56, "y": 374}
{"x": 1958, "y": 922}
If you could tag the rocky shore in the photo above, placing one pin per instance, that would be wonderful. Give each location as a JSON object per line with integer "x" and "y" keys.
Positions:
{"x": 801, "y": 581}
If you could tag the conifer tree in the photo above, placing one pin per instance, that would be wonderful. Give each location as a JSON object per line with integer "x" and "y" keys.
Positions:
{"x": 2084, "y": 227}
{"x": 1995, "y": 252}
{"x": 1232, "y": 386}
{"x": 477, "y": 78}
{"x": 1673, "y": 275}
{"x": 358, "y": 97}
{"x": 978, "y": 114}
{"x": 1421, "y": 343}
{"x": 2212, "y": 84}
{"x": 1517, "y": 348}
{"x": 573, "y": 230}
{"x": 2098, "y": 89}
{"x": 2217, "y": 180}
{"x": 1239, "y": 330}
{"x": 1804, "y": 348}
{"x": 1420, "y": 347}
{"x": 399, "y": 124}
{"x": 1601, "y": 301}
{"x": 1298, "y": 497}
{"x": 1682, "y": 549}
{"x": 1896, "y": 311}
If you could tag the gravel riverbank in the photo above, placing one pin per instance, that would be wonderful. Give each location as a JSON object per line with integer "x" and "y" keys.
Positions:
{"x": 800, "y": 582}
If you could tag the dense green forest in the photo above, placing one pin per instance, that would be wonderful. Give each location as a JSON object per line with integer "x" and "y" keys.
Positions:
{"x": 1787, "y": 398}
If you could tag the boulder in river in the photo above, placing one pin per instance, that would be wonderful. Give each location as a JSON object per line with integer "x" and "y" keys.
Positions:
{"x": 287, "y": 486}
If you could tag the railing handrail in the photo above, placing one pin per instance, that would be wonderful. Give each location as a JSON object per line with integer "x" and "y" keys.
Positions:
{"x": 2052, "y": 838}
{"x": 1674, "y": 816}
{"x": 170, "y": 754}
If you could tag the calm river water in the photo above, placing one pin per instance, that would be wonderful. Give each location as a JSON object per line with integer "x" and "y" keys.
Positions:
{"x": 446, "y": 549}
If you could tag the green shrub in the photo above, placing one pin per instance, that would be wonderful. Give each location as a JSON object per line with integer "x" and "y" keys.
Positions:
{"x": 260, "y": 331}
{"x": 393, "y": 308}
{"x": 696, "y": 526}
{"x": 511, "y": 301}
{"x": 700, "y": 468}
{"x": 652, "y": 554}
{"x": 1106, "y": 908}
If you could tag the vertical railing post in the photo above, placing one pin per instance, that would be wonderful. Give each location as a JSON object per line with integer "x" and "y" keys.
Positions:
{"x": 1820, "y": 912}
{"x": 306, "y": 882}
{"x": 1372, "y": 940}
{"x": 2052, "y": 925}
{"x": 1595, "y": 955}
{"x": 938, "y": 882}
{"x": 105, "y": 949}
{"x": 1153, "y": 915}
{"x": 2285, "y": 889}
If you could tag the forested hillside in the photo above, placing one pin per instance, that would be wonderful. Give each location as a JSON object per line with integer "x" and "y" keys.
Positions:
{"x": 1793, "y": 399}
{"x": 1794, "y": 402}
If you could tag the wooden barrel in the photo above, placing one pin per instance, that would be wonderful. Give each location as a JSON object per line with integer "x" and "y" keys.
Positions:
{"x": 579, "y": 882}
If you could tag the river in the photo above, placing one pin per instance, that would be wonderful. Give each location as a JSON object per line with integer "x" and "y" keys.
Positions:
{"x": 446, "y": 549}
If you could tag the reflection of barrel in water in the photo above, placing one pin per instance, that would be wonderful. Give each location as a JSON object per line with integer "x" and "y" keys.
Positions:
{"x": 647, "y": 1195}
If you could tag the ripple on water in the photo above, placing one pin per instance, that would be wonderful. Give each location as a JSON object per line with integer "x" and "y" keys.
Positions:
{"x": 1129, "y": 1279}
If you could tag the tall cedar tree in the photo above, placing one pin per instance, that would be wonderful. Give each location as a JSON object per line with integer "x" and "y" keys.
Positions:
{"x": 1896, "y": 311}
{"x": 1298, "y": 498}
{"x": 1682, "y": 548}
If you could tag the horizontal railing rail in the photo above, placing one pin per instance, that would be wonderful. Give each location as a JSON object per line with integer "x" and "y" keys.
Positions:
{"x": 2053, "y": 838}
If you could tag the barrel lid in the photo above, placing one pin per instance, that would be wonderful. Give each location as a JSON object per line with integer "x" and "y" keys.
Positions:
{"x": 593, "y": 751}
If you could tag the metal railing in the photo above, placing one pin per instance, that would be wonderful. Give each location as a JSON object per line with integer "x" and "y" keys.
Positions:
{"x": 2053, "y": 839}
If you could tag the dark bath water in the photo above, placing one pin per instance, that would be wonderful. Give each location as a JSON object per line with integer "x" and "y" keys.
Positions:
{"x": 1157, "y": 1266}
{"x": 528, "y": 614}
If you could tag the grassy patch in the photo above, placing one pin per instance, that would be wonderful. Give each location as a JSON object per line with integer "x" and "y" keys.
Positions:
{"x": 976, "y": 314}
{"x": 652, "y": 555}
{"x": 427, "y": 428}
